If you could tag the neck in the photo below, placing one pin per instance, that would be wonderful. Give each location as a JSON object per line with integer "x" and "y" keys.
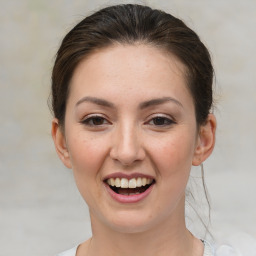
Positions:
{"x": 143, "y": 243}
{"x": 170, "y": 238}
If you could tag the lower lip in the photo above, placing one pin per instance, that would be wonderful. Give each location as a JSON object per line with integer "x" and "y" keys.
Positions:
{"x": 128, "y": 199}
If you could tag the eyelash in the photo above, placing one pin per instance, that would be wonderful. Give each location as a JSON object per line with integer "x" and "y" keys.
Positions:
{"x": 166, "y": 121}
{"x": 90, "y": 121}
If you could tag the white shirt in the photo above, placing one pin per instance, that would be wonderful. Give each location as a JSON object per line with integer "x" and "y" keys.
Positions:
{"x": 239, "y": 244}
{"x": 208, "y": 251}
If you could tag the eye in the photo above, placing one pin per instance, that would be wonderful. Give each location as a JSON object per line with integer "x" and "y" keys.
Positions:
{"x": 161, "y": 121}
{"x": 95, "y": 121}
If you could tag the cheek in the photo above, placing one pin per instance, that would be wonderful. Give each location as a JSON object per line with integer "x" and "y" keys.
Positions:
{"x": 173, "y": 154}
{"x": 86, "y": 153}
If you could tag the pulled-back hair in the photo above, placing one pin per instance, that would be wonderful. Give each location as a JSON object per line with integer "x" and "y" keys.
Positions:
{"x": 131, "y": 24}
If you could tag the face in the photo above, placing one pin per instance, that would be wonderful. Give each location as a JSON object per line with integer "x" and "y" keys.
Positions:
{"x": 130, "y": 136}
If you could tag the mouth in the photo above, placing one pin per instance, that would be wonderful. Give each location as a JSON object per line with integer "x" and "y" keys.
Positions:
{"x": 129, "y": 187}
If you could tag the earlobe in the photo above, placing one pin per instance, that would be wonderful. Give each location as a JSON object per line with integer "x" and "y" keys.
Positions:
{"x": 60, "y": 143}
{"x": 206, "y": 141}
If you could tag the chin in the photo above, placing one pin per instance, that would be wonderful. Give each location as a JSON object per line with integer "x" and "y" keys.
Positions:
{"x": 132, "y": 228}
{"x": 130, "y": 222}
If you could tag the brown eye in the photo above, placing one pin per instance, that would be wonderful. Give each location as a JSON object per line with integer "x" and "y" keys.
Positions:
{"x": 161, "y": 121}
{"x": 95, "y": 121}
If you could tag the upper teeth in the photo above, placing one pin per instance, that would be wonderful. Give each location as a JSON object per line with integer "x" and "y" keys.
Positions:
{"x": 132, "y": 183}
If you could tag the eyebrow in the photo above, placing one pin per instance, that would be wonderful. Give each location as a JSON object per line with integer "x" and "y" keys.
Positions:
{"x": 96, "y": 101}
{"x": 159, "y": 101}
{"x": 143, "y": 105}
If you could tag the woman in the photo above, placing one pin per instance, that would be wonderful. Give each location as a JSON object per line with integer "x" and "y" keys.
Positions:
{"x": 132, "y": 99}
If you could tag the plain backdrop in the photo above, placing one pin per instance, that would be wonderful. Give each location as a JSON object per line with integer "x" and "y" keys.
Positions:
{"x": 41, "y": 212}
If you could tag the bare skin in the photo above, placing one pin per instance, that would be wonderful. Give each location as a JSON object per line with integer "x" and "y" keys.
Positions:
{"x": 129, "y": 111}
{"x": 130, "y": 244}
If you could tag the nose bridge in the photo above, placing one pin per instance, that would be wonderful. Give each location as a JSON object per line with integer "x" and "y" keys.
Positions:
{"x": 127, "y": 146}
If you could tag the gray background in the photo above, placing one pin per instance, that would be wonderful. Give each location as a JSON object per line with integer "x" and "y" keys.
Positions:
{"x": 41, "y": 212}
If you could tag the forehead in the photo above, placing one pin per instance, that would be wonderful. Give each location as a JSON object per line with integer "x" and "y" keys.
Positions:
{"x": 120, "y": 70}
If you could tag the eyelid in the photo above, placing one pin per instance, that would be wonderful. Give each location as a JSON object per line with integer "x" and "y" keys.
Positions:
{"x": 164, "y": 116}
{"x": 89, "y": 117}
{"x": 93, "y": 115}
{"x": 155, "y": 115}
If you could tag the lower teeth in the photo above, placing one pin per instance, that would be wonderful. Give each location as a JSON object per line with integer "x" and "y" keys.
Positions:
{"x": 130, "y": 191}
{"x": 130, "y": 194}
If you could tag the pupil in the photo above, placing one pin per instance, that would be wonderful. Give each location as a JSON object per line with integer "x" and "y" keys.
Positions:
{"x": 97, "y": 121}
{"x": 159, "y": 121}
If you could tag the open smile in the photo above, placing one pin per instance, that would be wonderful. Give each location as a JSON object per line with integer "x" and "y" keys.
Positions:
{"x": 129, "y": 190}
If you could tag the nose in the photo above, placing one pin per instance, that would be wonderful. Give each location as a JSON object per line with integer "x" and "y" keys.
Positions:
{"x": 127, "y": 145}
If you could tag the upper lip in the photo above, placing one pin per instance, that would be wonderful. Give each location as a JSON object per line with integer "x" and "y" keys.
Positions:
{"x": 127, "y": 176}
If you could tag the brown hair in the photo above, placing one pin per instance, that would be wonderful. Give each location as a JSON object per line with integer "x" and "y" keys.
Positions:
{"x": 130, "y": 24}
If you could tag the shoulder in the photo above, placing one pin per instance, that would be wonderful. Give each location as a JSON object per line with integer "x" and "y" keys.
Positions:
{"x": 71, "y": 252}
{"x": 223, "y": 250}
{"x": 208, "y": 249}
{"x": 239, "y": 244}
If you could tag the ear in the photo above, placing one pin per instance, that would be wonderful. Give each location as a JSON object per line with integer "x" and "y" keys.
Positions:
{"x": 205, "y": 141}
{"x": 60, "y": 143}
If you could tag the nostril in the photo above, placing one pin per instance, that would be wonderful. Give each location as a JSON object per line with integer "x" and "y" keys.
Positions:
{"x": 127, "y": 157}
{"x": 127, "y": 147}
